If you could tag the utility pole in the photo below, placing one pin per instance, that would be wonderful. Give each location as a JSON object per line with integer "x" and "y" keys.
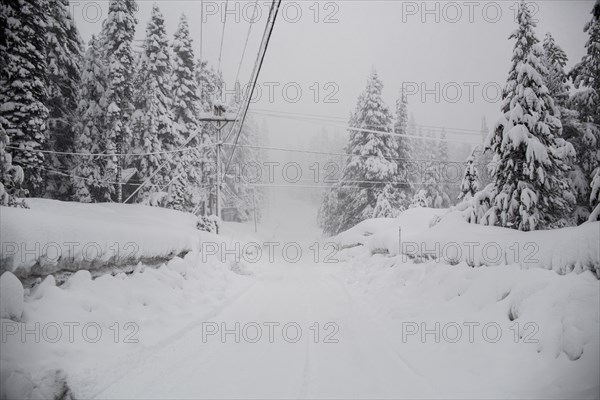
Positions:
{"x": 219, "y": 119}
{"x": 254, "y": 207}
{"x": 218, "y": 168}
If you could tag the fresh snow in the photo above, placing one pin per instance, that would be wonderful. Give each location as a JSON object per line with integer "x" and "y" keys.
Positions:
{"x": 367, "y": 303}
{"x": 53, "y": 236}
{"x": 455, "y": 240}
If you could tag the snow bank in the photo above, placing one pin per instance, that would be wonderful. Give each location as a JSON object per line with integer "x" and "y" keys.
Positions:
{"x": 414, "y": 218}
{"x": 11, "y": 297}
{"x": 534, "y": 332}
{"x": 55, "y": 236}
{"x": 453, "y": 240}
{"x": 70, "y": 336}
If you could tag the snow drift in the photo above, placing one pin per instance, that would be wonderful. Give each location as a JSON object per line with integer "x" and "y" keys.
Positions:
{"x": 453, "y": 240}
{"x": 53, "y": 236}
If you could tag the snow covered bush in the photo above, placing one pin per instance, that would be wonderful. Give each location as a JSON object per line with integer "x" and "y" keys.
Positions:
{"x": 155, "y": 199}
{"x": 470, "y": 183}
{"x": 207, "y": 223}
{"x": 419, "y": 199}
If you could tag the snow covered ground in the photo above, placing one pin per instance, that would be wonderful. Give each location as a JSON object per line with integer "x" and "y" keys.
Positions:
{"x": 54, "y": 236}
{"x": 87, "y": 328}
{"x": 428, "y": 233}
{"x": 356, "y": 323}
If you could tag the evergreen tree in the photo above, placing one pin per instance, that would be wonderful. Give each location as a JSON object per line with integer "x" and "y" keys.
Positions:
{"x": 91, "y": 136}
{"x": 586, "y": 101}
{"x": 419, "y": 199}
{"x": 442, "y": 147}
{"x": 470, "y": 183}
{"x": 485, "y": 157}
{"x": 371, "y": 161}
{"x": 64, "y": 53}
{"x": 595, "y": 197}
{"x": 11, "y": 176}
{"x": 586, "y": 74}
{"x": 431, "y": 176}
{"x": 23, "y": 85}
{"x": 554, "y": 60}
{"x": 153, "y": 119}
{"x": 404, "y": 144}
{"x": 445, "y": 188}
{"x": 118, "y": 34}
{"x": 330, "y": 216}
{"x": 529, "y": 191}
{"x": 185, "y": 108}
{"x": 390, "y": 203}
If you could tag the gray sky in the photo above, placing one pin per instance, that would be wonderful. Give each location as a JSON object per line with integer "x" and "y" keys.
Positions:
{"x": 467, "y": 48}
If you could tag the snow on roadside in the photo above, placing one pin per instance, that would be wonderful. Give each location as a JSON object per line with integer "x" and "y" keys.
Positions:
{"x": 415, "y": 219}
{"x": 87, "y": 321}
{"x": 52, "y": 235}
{"x": 89, "y": 331}
{"x": 447, "y": 313}
{"x": 453, "y": 240}
{"x": 446, "y": 320}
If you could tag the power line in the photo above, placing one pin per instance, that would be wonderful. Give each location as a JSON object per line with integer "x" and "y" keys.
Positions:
{"x": 223, "y": 35}
{"x": 201, "y": 24}
{"x": 57, "y": 172}
{"x": 268, "y": 31}
{"x": 463, "y": 131}
{"x": 246, "y": 43}
{"x": 67, "y": 153}
{"x": 346, "y": 127}
{"x": 108, "y": 182}
{"x": 325, "y": 153}
{"x": 192, "y": 136}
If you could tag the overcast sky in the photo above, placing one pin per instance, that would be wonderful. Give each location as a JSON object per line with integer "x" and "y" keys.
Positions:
{"x": 327, "y": 49}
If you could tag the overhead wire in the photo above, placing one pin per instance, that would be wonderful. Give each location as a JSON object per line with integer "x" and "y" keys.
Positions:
{"x": 268, "y": 30}
{"x": 223, "y": 35}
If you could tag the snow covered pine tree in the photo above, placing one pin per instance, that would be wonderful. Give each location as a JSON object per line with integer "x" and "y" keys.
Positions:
{"x": 23, "y": 86}
{"x": 185, "y": 109}
{"x": 529, "y": 190}
{"x": 91, "y": 134}
{"x": 118, "y": 32}
{"x": 11, "y": 176}
{"x": 64, "y": 57}
{"x": 153, "y": 119}
{"x": 371, "y": 163}
{"x": 470, "y": 183}
{"x": 586, "y": 77}
{"x": 574, "y": 131}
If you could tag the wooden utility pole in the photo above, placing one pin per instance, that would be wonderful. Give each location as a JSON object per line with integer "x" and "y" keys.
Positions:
{"x": 254, "y": 207}
{"x": 219, "y": 121}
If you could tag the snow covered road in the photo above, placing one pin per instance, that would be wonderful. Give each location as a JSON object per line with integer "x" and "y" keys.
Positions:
{"x": 355, "y": 361}
{"x": 357, "y": 352}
